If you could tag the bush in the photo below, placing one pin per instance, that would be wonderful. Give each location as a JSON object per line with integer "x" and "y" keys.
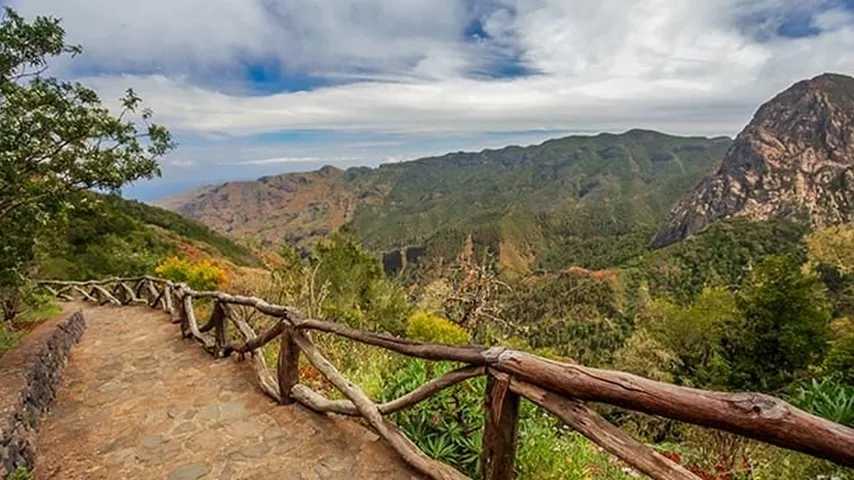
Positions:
{"x": 828, "y": 398}
{"x": 448, "y": 426}
{"x": 199, "y": 275}
{"x": 21, "y": 473}
{"x": 355, "y": 289}
{"x": 429, "y": 327}
{"x": 840, "y": 358}
{"x": 693, "y": 334}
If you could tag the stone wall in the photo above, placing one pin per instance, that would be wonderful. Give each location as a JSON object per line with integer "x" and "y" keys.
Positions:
{"x": 29, "y": 377}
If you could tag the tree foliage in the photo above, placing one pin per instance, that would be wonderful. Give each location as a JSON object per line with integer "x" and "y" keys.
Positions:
{"x": 785, "y": 326}
{"x": 56, "y": 140}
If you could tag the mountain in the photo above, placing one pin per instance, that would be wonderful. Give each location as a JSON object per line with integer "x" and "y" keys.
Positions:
{"x": 794, "y": 159}
{"x": 298, "y": 207}
{"x": 534, "y": 205}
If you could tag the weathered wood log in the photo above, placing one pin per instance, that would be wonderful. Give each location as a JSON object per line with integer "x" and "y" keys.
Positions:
{"x": 216, "y": 314}
{"x": 169, "y": 302}
{"x": 85, "y": 295}
{"x": 412, "y": 348}
{"x": 64, "y": 289}
{"x": 288, "y": 366}
{"x": 155, "y": 298}
{"x": 119, "y": 293}
{"x": 139, "y": 286}
{"x": 319, "y": 403}
{"x": 220, "y": 330}
{"x": 182, "y": 314}
{"x": 129, "y": 293}
{"x": 613, "y": 440}
{"x": 158, "y": 299}
{"x": 752, "y": 415}
{"x": 207, "y": 342}
{"x": 410, "y": 453}
{"x": 259, "y": 341}
{"x": 501, "y": 417}
{"x": 266, "y": 381}
{"x": 105, "y": 296}
{"x": 259, "y": 304}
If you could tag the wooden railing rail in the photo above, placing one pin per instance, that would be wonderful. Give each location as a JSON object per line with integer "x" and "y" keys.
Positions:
{"x": 560, "y": 388}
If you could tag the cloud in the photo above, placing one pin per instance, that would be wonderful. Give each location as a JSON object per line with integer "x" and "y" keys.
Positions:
{"x": 425, "y": 71}
{"x": 280, "y": 160}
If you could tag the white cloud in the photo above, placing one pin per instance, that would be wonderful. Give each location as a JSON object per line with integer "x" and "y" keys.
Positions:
{"x": 406, "y": 66}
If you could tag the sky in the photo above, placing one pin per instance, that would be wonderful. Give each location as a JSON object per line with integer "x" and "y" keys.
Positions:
{"x": 257, "y": 87}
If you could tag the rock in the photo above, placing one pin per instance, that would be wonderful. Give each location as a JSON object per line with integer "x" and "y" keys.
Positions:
{"x": 192, "y": 471}
{"x": 794, "y": 159}
{"x": 29, "y": 376}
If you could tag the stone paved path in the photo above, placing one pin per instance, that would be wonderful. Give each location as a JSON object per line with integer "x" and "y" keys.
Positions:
{"x": 138, "y": 402}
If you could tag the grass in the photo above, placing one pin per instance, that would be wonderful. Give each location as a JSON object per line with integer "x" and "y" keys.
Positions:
{"x": 10, "y": 336}
{"x": 21, "y": 473}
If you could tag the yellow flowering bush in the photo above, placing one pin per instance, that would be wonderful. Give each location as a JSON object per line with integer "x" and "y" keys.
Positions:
{"x": 429, "y": 327}
{"x": 199, "y": 275}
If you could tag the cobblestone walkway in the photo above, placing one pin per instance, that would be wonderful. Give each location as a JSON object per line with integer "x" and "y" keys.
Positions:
{"x": 138, "y": 402}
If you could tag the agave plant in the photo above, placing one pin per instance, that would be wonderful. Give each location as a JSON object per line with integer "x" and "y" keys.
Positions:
{"x": 829, "y": 398}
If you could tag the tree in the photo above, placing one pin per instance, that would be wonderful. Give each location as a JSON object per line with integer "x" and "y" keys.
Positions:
{"x": 784, "y": 329}
{"x": 474, "y": 302}
{"x": 693, "y": 333}
{"x": 57, "y": 140}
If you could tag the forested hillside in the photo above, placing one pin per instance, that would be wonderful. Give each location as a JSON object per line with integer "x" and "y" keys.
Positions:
{"x": 106, "y": 235}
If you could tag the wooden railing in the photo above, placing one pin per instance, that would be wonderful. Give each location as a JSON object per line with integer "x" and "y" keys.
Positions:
{"x": 560, "y": 388}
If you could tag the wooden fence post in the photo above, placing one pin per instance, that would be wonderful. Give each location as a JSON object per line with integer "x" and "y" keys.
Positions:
{"x": 219, "y": 329}
{"x": 501, "y": 414}
{"x": 288, "y": 366}
{"x": 186, "y": 306}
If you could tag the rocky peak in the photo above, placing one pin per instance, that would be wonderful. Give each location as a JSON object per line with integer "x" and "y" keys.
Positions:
{"x": 795, "y": 158}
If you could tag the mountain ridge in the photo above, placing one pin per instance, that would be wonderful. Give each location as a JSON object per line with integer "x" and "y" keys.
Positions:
{"x": 516, "y": 199}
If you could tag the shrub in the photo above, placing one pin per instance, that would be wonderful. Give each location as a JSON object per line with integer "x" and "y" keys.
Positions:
{"x": 840, "y": 357}
{"x": 21, "y": 473}
{"x": 199, "y": 275}
{"x": 429, "y": 327}
{"x": 828, "y": 398}
{"x": 693, "y": 335}
{"x": 448, "y": 426}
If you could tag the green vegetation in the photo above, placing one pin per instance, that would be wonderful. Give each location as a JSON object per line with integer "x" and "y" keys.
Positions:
{"x": 429, "y": 327}
{"x": 734, "y": 312}
{"x": 38, "y": 308}
{"x": 591, "y": 201}
{"x": 105, "y": 235}
{"x": 21, "y": 473}
{"x": 828, "y": 397}
{"x": 56, "y": 140}
{"x": 785, "y": 326}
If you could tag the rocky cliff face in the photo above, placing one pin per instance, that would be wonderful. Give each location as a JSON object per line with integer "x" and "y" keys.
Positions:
{"x": 795, "y": 158}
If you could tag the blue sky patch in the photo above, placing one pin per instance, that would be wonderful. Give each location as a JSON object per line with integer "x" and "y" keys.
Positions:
{"x": 269, "y": 78}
